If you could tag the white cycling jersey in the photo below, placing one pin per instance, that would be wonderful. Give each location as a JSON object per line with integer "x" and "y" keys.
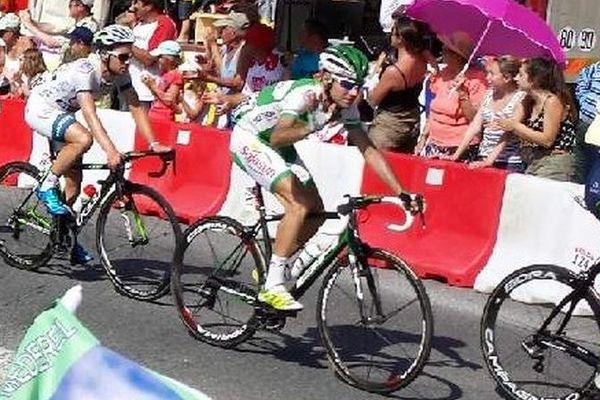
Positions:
{"x": 52, "y": 102}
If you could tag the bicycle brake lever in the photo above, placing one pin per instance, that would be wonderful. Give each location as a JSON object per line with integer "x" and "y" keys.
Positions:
{"x": 166, "y": 159}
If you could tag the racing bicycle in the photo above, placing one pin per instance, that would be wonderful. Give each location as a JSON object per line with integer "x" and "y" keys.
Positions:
{"x": 132, "y": 219}
{"x": 373, "y": 313}
{"x": 540, "y": 333}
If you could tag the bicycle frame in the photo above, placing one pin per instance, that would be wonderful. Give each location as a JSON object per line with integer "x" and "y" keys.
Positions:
{"x": 348, "y": 239}
{"x": 114, "y": 182}
{"x": 584, "y": 282}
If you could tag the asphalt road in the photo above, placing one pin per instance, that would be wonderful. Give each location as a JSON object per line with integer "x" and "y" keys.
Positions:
{"x": 287, "y": 365}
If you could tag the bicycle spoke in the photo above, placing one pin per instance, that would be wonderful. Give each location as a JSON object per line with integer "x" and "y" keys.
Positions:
{"x": 219, "y": 260}
{"x": 391, "y": 337}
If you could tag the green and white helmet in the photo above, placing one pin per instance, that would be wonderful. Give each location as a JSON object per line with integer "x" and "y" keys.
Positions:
{"x": 344, "y": 62}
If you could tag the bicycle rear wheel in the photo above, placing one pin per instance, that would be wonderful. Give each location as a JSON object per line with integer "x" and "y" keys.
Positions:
{"x": 25, "y": 223}
{"x": 214, "y": 285}
{"x": 378, "y": 350}
{"x": 136, "y": 236}
{"x": 530, "y": 362}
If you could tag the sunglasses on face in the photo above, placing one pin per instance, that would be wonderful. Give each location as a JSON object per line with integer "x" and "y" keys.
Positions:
{"x": 348, "y": 85}
{"x": 122, "y": 57}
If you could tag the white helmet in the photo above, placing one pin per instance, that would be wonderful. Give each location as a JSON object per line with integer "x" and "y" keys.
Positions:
{"x": 113, "y": 35}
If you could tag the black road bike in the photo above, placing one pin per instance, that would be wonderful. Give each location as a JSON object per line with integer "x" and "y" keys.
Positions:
{"x": 540, "y": 333}
{"x": 373, "y": 313}
{"x": 132, "y": 219}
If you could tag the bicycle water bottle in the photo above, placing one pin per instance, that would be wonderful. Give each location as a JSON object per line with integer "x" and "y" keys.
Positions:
{"x": 307, "y": 255}
{"x": 88, "y": 192}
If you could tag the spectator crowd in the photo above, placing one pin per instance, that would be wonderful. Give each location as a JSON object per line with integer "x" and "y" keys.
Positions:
{"x": 499, "y": 112}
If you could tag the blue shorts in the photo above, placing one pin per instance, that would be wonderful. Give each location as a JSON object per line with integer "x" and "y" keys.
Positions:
{"x": 184, "y": 9}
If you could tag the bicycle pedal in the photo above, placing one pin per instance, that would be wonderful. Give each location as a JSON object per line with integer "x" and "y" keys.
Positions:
{"x": 274, "y": 323}
{"x": 275, "y": 313}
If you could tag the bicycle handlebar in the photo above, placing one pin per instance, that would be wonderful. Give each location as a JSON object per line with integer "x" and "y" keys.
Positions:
{"x": 410, "y": 218}
{"x": 165, "y": 157}
{"x": 356, "y": 203}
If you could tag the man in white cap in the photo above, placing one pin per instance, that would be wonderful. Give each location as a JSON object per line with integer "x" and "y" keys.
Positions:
{"x": 225, "y": 62}
{"x": 232, "y": 31}
{"x": 80, "y": 12}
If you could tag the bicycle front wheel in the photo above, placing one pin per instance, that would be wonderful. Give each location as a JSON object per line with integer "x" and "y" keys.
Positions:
{"x": 25, "y": 223}
{"x": 136, "y": 236}
{"x": 533, "y": 349}
{"x": 376, "y": 325}
{"x": 216, "y": 275}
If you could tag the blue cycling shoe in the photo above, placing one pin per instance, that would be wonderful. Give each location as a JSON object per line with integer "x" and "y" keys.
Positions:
{"x": 80, "y": 256}
{"x": 52, "y": 201}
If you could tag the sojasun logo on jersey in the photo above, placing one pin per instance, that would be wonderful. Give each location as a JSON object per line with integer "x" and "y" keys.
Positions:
{"x": 258, "y": 161}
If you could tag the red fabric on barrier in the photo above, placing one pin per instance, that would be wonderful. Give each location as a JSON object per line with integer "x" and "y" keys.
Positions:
{"x": 462, "y": 217}
{"x": 16, "y": 137}
{"x": 198, "y": 182}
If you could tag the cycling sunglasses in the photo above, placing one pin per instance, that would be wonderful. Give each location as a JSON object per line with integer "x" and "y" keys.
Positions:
{"x": 349, "y": 85}
{"x": 123, "y": 57}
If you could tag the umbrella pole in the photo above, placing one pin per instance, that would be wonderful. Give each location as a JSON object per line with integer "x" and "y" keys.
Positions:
{"x": 472, "y": 56}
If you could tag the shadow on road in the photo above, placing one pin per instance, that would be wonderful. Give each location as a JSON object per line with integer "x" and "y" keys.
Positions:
{"x": 307, "y": 350}
{"x": 91, "y": 273}
{"x": 447, "y": 346}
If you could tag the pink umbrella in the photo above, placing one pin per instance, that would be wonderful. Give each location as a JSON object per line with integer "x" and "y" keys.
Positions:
{"x": 498, "y": 27}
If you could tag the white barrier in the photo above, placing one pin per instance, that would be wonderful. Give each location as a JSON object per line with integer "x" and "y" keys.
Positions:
{"x": 541, "y": 222}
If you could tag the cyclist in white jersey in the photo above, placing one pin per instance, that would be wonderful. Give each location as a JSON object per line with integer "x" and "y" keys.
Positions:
{"x": 51, "y": 106}
{"x": 262, "y": 144}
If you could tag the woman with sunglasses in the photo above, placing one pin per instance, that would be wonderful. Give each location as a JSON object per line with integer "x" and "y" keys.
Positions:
{"x": 74, "y": 86}
{"x": 262, "y": 144}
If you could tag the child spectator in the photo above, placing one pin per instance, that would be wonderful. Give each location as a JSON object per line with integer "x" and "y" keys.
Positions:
{"x": 151, "y": 29}
{"x": 192, "y": 108}
{"x": 548, "y": 128}
{"x": 497, "y": 148}
{"x": 167, "y": 89}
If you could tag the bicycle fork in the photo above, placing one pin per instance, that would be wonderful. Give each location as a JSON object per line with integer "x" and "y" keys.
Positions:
{"x": 360, "y": 269}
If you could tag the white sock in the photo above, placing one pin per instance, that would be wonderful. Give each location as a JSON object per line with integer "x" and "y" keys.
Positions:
{"x": 276, "y": 273}
{"x": 50, "y": 182}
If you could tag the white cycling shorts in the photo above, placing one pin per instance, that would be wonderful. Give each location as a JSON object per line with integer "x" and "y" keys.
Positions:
{"x": 263, "y": 163}
{"x": 48, "y": 121}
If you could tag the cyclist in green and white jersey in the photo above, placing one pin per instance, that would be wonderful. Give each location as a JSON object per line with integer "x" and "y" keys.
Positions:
{"x": 262, "y": 144}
